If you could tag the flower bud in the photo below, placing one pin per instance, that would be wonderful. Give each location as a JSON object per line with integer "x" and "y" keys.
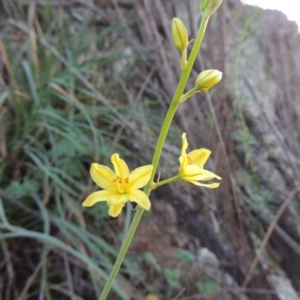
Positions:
{"x": 203, "y": 4}
{"x": 179, "y": 35}
{"x": 207, "y": 79}
{"x": 208, "y": 7}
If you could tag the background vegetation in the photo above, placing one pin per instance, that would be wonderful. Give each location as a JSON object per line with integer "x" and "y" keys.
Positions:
{"x": 80, "y": 80}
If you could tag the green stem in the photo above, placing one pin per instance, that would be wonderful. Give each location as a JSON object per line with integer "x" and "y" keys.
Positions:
{"x": 163, "y": 182}
{"x": 176, "y": 100}
{"x": 157, "y": 153}
{"x": 122, "y": 253}
{"x": 189, "y": 93}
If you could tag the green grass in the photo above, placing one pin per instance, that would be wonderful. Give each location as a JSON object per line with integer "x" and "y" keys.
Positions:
{"x": 62, "y": 106}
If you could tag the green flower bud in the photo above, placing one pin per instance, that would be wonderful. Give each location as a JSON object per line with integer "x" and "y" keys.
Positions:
{"x": 207, "y": 79}
{"x": 203, "y": 4}
{"x": 179, "y": 35}
{"x": 208, "y": 7}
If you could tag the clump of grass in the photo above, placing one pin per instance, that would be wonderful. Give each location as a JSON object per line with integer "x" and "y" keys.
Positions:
{"x": 58, "y": 114}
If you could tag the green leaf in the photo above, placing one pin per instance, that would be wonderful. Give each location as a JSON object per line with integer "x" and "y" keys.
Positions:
{"x": 151, "y": 260}
{"x": 172, "y": 273}
{"x": 185, "y": 256}
{"x": 207, "y": 287}
{"x": 23, "y": 187}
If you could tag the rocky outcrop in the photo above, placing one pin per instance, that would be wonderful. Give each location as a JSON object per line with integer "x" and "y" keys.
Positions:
{"x": 251, "y": 123}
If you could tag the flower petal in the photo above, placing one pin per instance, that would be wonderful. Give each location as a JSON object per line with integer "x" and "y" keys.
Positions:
{"x": 116, "y": 209}
{"x": 191, "y": 170}
{"x": 120, "y": 166}
{"x": 103, "y": 176}
{"x": 196, "y": 173}
{"x": 184, "y": 144}
{"x": 97, "y": 197}
{"x": 116, "y": 205}
{"x": 199, "y": 156}
{"x": 140, "y": 198}
{"x": 183, "y": 159}
{"x": 209, "y": 185}
{"x": 139, "y": 177}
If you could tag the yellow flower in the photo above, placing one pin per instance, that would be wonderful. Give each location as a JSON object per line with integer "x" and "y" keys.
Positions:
{"x": 119, "y": 186}
{"x": 191, "y": 166}
{"x": 152, "y": 297}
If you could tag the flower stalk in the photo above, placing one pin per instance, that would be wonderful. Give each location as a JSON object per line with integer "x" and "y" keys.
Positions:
{"x": 157, "y": 153}
{"x": 189, "y": 94}
{"x": 166, "y": 181}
